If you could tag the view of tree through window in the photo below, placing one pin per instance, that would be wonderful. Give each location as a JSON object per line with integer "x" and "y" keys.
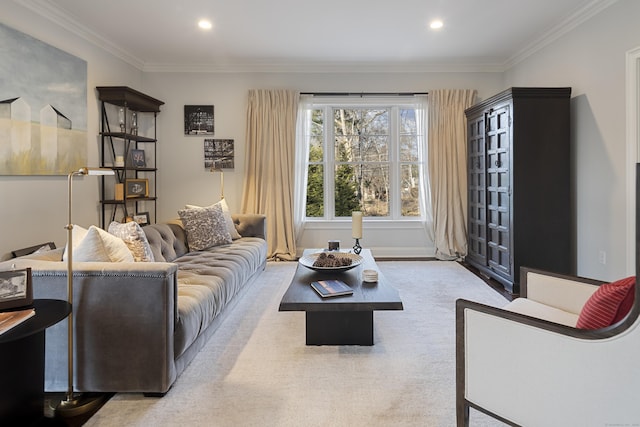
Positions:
{"x": 373, "y": 155}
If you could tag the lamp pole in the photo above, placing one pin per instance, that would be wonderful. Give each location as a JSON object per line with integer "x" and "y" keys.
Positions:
{"x": 73, "y": 405}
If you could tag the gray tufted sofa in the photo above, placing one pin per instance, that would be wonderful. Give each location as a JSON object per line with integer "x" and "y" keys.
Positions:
{"x": 138, "y": 325}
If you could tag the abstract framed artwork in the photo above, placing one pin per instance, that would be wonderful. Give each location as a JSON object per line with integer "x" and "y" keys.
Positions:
{"x": 43, "y": 107}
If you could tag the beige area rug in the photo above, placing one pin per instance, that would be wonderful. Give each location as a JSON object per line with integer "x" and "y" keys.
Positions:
{"x": 257, "y": 371}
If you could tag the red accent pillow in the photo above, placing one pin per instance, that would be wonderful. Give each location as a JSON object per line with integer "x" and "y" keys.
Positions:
{"x": 608, "y": 305}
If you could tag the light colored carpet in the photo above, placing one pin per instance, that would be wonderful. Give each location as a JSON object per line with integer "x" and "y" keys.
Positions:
{"x": 257, "y": 371}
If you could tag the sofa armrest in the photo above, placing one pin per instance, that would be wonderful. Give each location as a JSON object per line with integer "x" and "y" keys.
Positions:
{"x": 565, "y": 292}
{"x": 124, "y": 320}
{"x": 251, "y": 225}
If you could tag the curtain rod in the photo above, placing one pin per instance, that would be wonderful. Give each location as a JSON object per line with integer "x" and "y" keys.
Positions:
{"x": 363, "y": 94}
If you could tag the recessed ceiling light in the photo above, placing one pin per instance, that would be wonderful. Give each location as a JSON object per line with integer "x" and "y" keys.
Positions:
{"x": 205, "y": 24}
{"x": 436, "y": 24}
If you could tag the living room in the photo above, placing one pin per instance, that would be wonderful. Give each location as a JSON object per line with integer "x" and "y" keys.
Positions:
{"x": 589, "y": 54}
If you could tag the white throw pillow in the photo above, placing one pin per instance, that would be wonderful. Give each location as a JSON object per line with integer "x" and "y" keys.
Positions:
{"x": 205, "y": 227}
{"x": 227, "y": 218}
{"x": 96, "y": 245}
{"x": 133, "y": 236}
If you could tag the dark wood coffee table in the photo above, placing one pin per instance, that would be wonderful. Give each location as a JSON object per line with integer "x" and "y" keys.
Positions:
{"x": 345, "y": 320}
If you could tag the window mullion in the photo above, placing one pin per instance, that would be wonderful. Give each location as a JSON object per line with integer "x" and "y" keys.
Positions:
{"x": 394, "y": 160}
{"x": 329, "y": 163}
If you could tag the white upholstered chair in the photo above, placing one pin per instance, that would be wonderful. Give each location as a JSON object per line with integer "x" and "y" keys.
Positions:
{"x": 526, "y": 371}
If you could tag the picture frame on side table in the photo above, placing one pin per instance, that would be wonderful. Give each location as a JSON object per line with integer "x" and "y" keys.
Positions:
{"x": 136, "y": 188}
{"x": 142, "y": 218}
{"x": 15, "y": 289}
{"x": 138, "y": 159}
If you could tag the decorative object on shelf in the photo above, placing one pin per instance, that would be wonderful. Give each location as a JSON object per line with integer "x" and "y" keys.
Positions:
{"x": 142, "y": 218}
{"x": 198, "y": 120}
{"x": 219, "y": 152}
{"x": 137, "y": 159}
{"x": 74, "y": 404}
{"x": 119, "y": 191}
{"x": 121, "y": 121}
{"x": 15, "y": 288}
{"x": 136, "y": 188}
{"x": 119, "y": 162}
{"x": 134, "y": 123}
{"x": 356, "y": 230}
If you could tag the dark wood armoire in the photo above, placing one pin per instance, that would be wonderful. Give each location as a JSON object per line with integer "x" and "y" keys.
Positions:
{"x": 519, "y": 184}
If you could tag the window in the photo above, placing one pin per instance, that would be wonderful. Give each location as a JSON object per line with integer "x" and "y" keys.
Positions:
{"x": 365, "y": 155}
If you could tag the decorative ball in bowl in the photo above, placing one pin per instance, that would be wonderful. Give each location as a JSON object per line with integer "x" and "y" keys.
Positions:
{"x": 323, "y": 261}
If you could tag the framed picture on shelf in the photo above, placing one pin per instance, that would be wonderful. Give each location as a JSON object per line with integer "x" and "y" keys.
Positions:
{"x": 15, "y": 288}
{"x": 136, "y": 188}
{"x": 198, "y": 120}
{"x": 137, "y": 159}
{"x": 142, "y": 218}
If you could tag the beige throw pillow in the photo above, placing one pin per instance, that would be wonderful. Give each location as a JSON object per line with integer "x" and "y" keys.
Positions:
{"x": 205, "y": 227}
{"x": 133, "y": 236}
{"x": 96, "y": 245}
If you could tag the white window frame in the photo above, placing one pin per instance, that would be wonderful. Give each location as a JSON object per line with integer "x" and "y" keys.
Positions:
{"x": 393, "y": 104}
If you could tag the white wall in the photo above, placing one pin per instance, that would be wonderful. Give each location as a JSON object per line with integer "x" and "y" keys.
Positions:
{"x": 182, "y": 178}
{"x": 591, "y": 59}
{"x": 34, "y": 208}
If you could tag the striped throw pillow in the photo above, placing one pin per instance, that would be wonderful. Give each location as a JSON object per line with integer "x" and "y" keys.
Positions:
{"x": 608, "y": 305}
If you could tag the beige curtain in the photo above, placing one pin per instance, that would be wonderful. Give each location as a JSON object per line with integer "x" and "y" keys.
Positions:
{"x": 270, "y": 159}
{"x": 448, "y": 170}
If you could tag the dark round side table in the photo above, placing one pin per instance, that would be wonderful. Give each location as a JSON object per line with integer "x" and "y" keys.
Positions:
{"x": 22, "y": 363}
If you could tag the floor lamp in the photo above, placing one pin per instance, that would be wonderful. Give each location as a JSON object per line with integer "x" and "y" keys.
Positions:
{"x": 74, "y": 404}
{"x": 217, "y": 169}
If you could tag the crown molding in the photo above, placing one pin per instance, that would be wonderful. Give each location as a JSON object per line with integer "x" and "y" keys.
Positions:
{"x": 48, "y": 11}
{"x": 325, "y": 67}
{"x": 65, "y": 20}
{"x": 578, "y": 17}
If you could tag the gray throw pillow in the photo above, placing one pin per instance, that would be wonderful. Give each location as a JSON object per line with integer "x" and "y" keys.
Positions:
{"x": 205, "y": 227}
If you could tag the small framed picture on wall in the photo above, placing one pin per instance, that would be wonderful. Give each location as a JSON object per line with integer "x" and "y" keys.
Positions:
{"x": 198, "y": 120}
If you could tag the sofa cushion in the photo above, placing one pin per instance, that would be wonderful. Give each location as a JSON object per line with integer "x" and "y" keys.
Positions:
{"x": 132, "y": 235}
{"x": 608, "y": 305}
{"x": 207, "y": 282}
{"x": 205, "y": 227}
{"x": 167, "y": 241}
{"x": 542, "y": 311}
{"x": 96, "y": 245}
{"x": 227, "y": 218}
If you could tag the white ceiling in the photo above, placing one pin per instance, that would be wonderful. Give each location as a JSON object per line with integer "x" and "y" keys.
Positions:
{"x": 297, "y": 35}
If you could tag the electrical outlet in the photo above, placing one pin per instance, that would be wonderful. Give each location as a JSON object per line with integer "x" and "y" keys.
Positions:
{"x": 602, "y": 257}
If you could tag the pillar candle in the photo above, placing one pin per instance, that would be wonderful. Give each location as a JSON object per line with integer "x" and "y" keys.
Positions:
{"x": 356, "y": 225}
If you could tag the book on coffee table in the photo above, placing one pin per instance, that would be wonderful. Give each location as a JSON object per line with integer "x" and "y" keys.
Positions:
{"x": 331, "y": 288}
